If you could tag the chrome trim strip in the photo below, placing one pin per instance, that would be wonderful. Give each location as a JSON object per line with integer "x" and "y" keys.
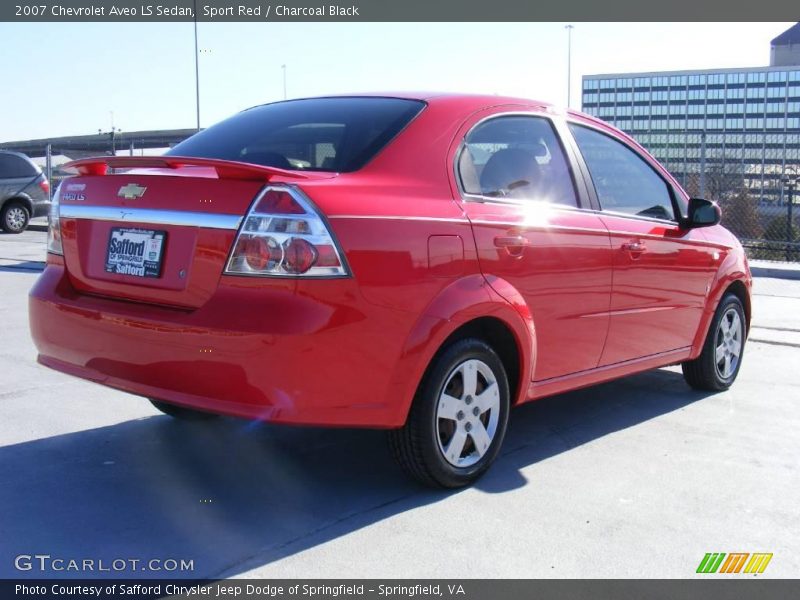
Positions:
{"x": 623, "y": 215}
{"x": 401, "y": 218}
{"x": 151, "y": 216}
{"x": 545, "y": 227}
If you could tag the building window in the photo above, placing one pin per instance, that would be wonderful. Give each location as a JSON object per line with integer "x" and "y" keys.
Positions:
{"x": 734, "y": 78}
{"x": 776, "y": 76}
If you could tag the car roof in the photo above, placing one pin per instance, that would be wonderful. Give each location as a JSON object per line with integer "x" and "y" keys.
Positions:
{"x": 19, "y": 154}
{"x": 435, "y": 98}
{"x": 467, "y": 101}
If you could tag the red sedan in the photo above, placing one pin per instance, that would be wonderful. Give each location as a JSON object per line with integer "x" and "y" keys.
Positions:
{"x": 415, "y": 263}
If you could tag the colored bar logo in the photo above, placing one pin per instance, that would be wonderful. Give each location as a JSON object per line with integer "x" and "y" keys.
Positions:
{"x": 735, "y": 562}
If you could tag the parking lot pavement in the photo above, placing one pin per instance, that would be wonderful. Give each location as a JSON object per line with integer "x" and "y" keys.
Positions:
{"x": 23, "y": 251}
{"x": 635, "y": 478}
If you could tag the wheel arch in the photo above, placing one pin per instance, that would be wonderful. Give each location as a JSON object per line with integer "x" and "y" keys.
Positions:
{"x": 466, "y": 307}
{"x": 23, "y": 199}
{"x": 733, "y": 276}
{"x": 500, "y": 337}
{"x": 739, "y": 289}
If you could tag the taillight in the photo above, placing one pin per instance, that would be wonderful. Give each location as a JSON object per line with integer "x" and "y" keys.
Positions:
{"x": 54, "y": 229}
{"x": 45, "y": 186}
{"x": 284, "y": 235}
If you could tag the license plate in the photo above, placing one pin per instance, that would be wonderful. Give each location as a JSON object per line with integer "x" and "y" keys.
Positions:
{"x": 136, "y": 252}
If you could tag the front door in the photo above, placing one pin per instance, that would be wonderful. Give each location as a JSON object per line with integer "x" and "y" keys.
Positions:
{"x": 662, "y": 272}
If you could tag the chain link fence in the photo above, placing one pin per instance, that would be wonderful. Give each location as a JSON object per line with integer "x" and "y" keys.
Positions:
{"x": 753, "y": 178}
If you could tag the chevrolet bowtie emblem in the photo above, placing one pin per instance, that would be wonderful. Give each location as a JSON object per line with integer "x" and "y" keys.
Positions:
{"x": 131, "y": 191}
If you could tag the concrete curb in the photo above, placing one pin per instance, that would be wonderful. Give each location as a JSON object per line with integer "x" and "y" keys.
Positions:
{"x": 775, "y": 271}
{"x": 37, "y": 227}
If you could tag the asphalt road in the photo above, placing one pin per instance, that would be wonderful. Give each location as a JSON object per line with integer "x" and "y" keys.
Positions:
{"x": 636, "y": 478}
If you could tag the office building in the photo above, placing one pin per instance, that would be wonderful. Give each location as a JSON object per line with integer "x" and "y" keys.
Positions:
{"x": 742, "y": 125}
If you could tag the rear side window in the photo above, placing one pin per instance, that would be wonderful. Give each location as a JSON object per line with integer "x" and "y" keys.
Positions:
{"x": 516, "y": 157}
{"x": 319, "y": 134}
{"x": 624, "y": 182}
{"x": 15, "y": 166}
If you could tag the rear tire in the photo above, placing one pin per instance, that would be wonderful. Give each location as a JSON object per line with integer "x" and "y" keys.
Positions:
{"x": 14, "y": 217}
{"x": 181, "y": 412}
{"x": 718, "y": 364}
{"x": 458, "y": 418}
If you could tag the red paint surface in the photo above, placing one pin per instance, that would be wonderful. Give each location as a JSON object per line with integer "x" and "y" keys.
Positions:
{"x": 424, "y": 262}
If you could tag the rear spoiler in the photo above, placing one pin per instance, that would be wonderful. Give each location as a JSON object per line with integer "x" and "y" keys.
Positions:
{"x": 225, "y": 169}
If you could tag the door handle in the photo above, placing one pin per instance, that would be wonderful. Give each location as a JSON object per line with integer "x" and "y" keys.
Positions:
{"x": 514, "y": 244}
{"x": 634, "y": 247}
{"x": 511, "y": 241}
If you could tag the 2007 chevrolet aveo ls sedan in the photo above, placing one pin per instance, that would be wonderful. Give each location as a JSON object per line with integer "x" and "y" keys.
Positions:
{"x": 414, "y": 263}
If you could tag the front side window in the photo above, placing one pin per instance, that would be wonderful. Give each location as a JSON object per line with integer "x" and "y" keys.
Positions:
{"x": 318, "y": 134}
{"x": 624, "y": 181}
{"x": 516, "y": 157}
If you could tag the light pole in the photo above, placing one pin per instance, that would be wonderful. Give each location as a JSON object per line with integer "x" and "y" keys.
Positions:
{"x": 703, "y": 164}
{"x": 112, "y": 135}
{"x": 788, "y": 186}
{"x": 283, "y": 67}
{"x": 569, "y": 29}
{"x": 196, "y": 68}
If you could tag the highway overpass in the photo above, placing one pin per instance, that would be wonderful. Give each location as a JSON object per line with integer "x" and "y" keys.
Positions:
{"x": 76, "y": 146}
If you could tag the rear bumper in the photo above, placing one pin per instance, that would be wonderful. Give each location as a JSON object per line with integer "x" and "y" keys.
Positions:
{"x": 255, "y": 352}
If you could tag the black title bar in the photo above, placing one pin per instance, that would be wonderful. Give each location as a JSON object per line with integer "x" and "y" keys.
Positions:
{"x": 395, "y": 10}
{"x": 706, "y": 588}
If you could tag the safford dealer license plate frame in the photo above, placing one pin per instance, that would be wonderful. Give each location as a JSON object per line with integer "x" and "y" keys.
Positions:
{"x": 135, "y": 252}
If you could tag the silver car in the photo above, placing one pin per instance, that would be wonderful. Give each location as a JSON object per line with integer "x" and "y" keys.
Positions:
{"x": 24, "y": 191}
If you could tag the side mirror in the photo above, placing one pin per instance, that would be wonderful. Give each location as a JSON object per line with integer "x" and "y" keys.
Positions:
{"x": 702, "y": 213}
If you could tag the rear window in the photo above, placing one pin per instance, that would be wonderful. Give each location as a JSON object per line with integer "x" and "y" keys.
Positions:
{"x": 319, "y": 134}
{"x": 12, "y": 166}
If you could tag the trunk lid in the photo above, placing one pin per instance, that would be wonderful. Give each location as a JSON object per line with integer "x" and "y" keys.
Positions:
{"x": 158, "y": 234}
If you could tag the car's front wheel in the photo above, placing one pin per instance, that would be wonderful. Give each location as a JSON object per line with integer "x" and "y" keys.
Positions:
{"x": 14, "y": 217}
{"x": 458, "y": 418}
{"x": 181, "y": 412}
{"x": 718, "y": 364}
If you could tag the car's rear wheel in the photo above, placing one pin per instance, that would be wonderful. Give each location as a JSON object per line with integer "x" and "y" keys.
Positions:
{"x": 458, "y": 418}
{"x": 181, "y": 412}
{"x": 14, "y": 217}
{"x": 718, "y": 364}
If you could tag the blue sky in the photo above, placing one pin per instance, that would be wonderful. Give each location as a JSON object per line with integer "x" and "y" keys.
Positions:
{"x": 65, "y": 79}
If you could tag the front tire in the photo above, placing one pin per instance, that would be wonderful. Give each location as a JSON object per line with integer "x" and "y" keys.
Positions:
{"x": 718, "y": 364}
{"x": 458, "y": 418}
{"x": 14, "y": 217}
{"x": 181, "y": 412}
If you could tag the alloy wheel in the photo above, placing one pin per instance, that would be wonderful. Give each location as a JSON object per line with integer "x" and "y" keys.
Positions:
{"x": 15, "y": 218}
{"x": 728, "y": 343}
{"x": 467, "y": 413}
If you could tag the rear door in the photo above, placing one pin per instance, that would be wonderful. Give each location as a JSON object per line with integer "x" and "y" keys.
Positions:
{"x": 661, "y": 271}
{"x": 517, "y": 187}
